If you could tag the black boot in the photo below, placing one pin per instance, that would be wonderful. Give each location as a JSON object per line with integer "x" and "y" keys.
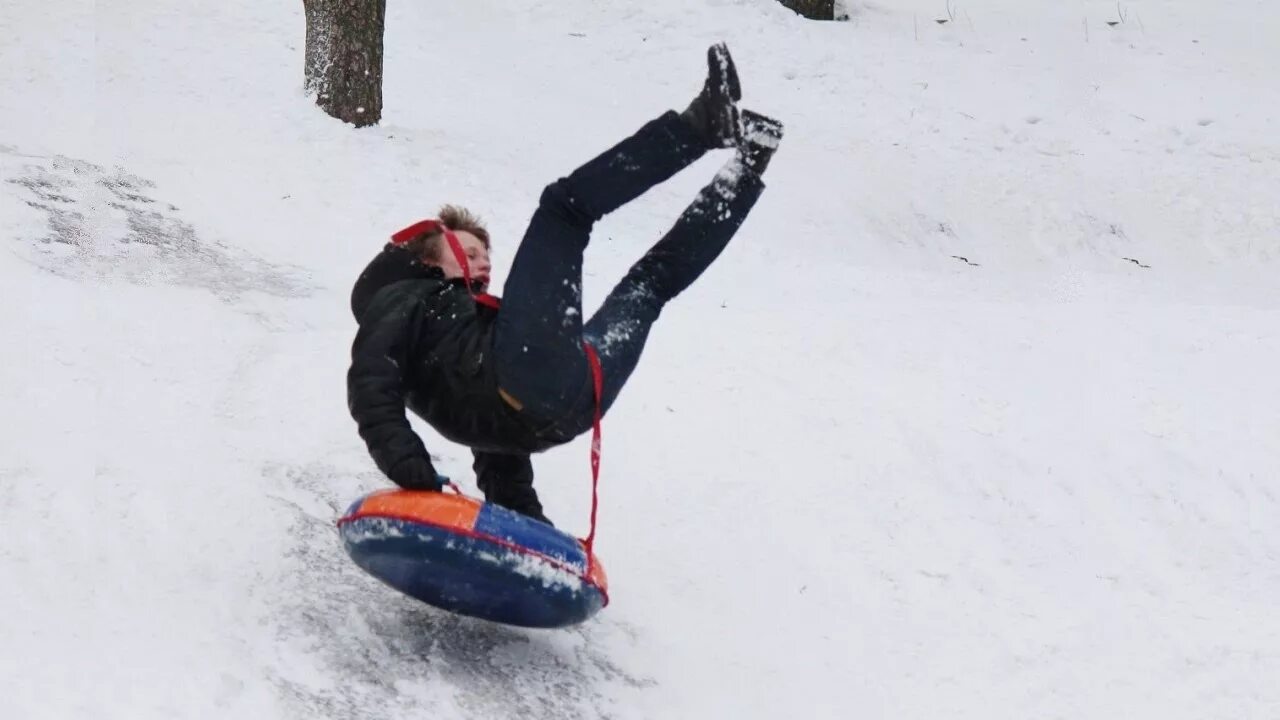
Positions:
{"x": 714, "y": 112}
{"x": 517, "y": 496}
{"x": 760, "y": 137}
{"x": 507, "y": 480}
{"x": 523, "y": 500}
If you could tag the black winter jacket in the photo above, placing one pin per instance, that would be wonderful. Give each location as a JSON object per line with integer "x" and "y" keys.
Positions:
{"x": 424, "y": 344}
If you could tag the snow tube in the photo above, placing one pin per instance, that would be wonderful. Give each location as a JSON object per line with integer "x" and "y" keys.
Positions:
{"x": 474, "y": 558}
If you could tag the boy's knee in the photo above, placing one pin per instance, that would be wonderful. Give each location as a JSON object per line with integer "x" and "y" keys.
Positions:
{"x": 559, "y": 200}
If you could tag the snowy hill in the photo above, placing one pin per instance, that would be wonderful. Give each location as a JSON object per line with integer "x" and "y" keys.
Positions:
{"x": 977, "y": 417}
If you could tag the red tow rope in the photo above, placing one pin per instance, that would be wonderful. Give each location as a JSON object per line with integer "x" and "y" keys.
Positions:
{"x": 597, "y": 382}
{"x": 593, "y": 360}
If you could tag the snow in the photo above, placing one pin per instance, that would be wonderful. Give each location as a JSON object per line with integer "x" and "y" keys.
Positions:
{"x": 535, "y": 568}
{"x": 976, "y": 417}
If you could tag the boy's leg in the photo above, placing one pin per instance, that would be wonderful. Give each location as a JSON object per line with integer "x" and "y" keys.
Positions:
{"x": 538, "y": 337}
{"x": 620, "y": 328}
{"x": 507, "y": 480}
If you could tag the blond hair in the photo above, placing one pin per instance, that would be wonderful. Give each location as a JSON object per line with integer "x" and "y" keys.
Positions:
{"x": 430, "y": 245}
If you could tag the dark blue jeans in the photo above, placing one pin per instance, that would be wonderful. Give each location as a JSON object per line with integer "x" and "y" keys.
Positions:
{"x": 540, "y": 330}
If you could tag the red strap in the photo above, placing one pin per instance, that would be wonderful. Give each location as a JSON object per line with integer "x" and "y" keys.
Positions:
{"x": 597, "y": 382}
{"x": 461, "y": 257}
{"x": 419, "y": 228}
{"x": 431, "y": 226}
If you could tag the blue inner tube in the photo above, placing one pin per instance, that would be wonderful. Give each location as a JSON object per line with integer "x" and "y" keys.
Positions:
{"x": 474, "y": 559}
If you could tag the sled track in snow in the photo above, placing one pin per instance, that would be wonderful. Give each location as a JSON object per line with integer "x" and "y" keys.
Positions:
{"x": 106, "y": 224}
{"x": 377, "y": 642}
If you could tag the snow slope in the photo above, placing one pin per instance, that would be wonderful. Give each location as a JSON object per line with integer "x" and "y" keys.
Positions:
{"x": 978, "y": 416}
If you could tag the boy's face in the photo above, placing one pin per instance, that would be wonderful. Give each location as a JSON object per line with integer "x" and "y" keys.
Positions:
{"x": 477, "y": 258}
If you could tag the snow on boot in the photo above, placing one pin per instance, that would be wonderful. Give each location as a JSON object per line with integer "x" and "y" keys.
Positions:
{"x": 760, "y": 138}
{"x": 714, "y": 112}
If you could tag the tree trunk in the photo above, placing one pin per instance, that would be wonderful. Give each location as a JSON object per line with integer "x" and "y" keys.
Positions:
{"x": 343, "y": 65}
{"x": 813, "y": 9}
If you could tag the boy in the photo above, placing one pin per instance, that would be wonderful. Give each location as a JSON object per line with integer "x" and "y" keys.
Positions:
{"x": 517, "y": 380}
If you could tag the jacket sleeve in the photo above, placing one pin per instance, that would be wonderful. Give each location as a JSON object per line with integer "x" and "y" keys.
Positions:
{"x": 376, "y": 379}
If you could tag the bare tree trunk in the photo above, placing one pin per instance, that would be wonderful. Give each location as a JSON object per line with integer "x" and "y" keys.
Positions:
{"x": 813, "y": 9}
{"x": 343, "y": 65}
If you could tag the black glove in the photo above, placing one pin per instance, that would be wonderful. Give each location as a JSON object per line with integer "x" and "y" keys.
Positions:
{"x": 415, "y": 473}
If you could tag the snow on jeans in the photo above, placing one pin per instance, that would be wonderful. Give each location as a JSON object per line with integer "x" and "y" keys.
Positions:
{"x": 540, "y": 360}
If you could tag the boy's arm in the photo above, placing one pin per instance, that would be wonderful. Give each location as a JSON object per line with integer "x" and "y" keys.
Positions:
{"x": 376, "y": 388}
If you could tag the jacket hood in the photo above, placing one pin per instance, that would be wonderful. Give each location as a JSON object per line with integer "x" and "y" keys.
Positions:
{"x": 391, "y": 265}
